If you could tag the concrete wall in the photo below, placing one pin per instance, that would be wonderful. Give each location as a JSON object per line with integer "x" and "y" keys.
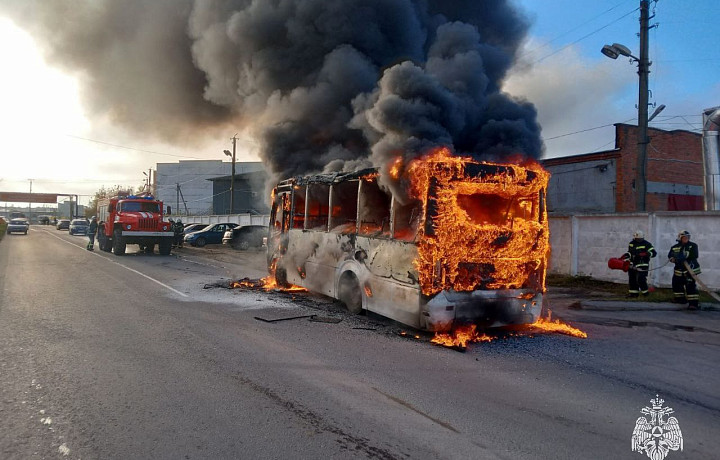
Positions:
{"x": 193, "y": 177}
{"x": 583, "y": 243}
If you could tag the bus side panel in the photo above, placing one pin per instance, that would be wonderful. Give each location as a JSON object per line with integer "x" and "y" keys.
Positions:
{"x": 312, "y": 258}
{"x": 390, "y": 279}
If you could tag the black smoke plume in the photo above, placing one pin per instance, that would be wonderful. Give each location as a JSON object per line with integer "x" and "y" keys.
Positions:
{"x": 321, "y": 84}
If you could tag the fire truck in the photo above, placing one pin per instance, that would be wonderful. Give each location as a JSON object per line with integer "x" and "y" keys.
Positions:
{"x": 124, "y": 220}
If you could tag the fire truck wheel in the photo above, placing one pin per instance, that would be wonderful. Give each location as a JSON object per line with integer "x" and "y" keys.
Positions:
{"x": 119, "y": 244}
{"x": 200, "y": 242}
{"x": 165, "y": 247}
{"x": 349, "y": 292}
{"x": 149, "y": 249}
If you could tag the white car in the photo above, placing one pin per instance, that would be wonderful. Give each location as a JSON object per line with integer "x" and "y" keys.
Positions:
{"x": 18, "y": 226}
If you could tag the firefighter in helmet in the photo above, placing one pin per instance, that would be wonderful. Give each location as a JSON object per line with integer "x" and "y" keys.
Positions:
{"x": 178, "y": 230}
{"x": 639, "y": 253}
{"x": 91, "y": 231}
{"x": 685, "y": 255}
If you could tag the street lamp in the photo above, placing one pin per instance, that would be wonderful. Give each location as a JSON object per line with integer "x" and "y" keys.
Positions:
{"x": 615, "y": 50}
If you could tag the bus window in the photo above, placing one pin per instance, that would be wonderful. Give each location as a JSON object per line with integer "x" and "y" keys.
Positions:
{"x": 374, "y": 210}
{"x": 343, "y": 218}
{"x": 317, "y": 207}
{"x": 407, "y": 219}
{"x": 299, "y": 207}
{"x": 484, "y": 209}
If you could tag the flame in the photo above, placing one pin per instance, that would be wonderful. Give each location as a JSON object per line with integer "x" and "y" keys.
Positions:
{"x": 368, "y": 291}
{"x": 486, "y": 230}
{"x": 269, "y": 283}
{"x": 557, "y": 326}
{"x": 396, "y": 167}
{"x": 461, "y": 337}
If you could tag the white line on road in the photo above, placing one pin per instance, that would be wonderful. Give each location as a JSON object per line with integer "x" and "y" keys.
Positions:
{"x": 123, "y": 266}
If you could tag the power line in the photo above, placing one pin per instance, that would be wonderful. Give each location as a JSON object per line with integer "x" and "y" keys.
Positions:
{"x": 131, "y": 148}
{"x": 585, "y": 36}
{"x": 585, "y": 130}
{"x": 547, "y": 43}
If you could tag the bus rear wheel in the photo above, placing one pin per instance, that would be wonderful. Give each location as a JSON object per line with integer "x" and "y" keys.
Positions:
{"x": 349, "y": 292}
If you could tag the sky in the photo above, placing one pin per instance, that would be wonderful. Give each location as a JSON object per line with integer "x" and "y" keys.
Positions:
{"x": 52, "y": 143}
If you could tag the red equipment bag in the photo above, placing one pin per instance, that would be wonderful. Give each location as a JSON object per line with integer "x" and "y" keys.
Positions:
{"x": 617, "y": 263}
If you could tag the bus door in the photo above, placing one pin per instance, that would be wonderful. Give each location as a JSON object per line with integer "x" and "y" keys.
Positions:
{"x": 280, "y": 219}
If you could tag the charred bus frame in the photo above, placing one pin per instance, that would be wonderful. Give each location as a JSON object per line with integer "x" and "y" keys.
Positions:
{"x": 341, "y": 235}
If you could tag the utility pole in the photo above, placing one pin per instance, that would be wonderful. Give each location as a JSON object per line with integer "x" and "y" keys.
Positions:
{"x": 232, "y": 178}
{"x": 232, "y": 174}
{"x": 30, "y": 203}
{"x": 643, "y": 72}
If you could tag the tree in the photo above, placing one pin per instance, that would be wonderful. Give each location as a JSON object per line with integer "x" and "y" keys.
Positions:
{"x": 92, "y": 208}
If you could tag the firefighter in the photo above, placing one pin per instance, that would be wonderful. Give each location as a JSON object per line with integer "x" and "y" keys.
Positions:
{"x": 639, "y": 253}
{"x": 91, "y": 231}
{"x": 683, "y": 284}
{"x": 178, "y": 228}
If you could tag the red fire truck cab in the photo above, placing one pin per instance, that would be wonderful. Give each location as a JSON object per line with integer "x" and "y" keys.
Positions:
{"x": 124, "y": 220}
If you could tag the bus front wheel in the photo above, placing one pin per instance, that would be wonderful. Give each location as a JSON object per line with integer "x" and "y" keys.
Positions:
{"x": 350, "y": 293}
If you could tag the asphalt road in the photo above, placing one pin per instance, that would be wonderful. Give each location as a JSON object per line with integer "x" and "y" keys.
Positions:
{"x": 140, "y": 357}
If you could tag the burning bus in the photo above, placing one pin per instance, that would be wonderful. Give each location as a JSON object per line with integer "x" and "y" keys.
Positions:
{"x": 469, "y": 247}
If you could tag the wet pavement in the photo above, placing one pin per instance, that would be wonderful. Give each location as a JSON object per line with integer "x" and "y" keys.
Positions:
{"x": 591, "y": 307}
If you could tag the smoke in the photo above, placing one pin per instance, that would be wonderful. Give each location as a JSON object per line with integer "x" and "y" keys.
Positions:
{"x": 322, "y": 85}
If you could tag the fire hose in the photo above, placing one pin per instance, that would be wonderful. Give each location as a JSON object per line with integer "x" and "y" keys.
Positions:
{"x": 702, "y": 285}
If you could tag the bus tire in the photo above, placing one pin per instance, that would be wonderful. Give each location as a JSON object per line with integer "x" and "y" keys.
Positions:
{"x": 119, "y": 244}
{"x": 350, "y": 293}
{"x": 281, "y": 277}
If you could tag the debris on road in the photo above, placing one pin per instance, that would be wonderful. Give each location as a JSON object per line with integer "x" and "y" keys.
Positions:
{"x": 324, "y": 319}
{"x": 288, "y": 318}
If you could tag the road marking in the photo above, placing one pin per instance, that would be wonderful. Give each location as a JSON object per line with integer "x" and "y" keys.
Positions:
{"x": 123, "y": 266}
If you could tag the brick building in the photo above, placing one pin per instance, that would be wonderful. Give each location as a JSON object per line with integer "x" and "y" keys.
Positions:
{"x": 605, "y": 181}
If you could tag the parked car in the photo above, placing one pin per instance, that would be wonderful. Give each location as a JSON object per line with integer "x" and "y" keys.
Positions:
{"x": 18, "y": 226}
{"x": 44, "y": 220}
{"x": 189, "y": 228}
{"x": 212, "y": 234}
{"x": 63, "y": 224}
{"x": 245, "y": 237}
{"x": 78, "y": 227}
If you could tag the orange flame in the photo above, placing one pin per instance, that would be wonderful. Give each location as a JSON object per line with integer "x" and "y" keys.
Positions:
{"x": 396, "y": 167}
{"x": 368, "y": 291}
{"x": 557, "y": 326}
{"x": 461, "y": 337}
{"x": 269, "y": 283}
{"x": 482, "y": 231}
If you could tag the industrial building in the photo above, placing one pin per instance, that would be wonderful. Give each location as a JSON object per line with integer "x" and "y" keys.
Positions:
{"x": 604, "y": 182}
{"x": 188, "y": 187}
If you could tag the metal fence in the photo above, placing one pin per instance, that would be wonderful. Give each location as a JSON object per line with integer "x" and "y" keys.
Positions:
{"x": 240, "y": 219}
